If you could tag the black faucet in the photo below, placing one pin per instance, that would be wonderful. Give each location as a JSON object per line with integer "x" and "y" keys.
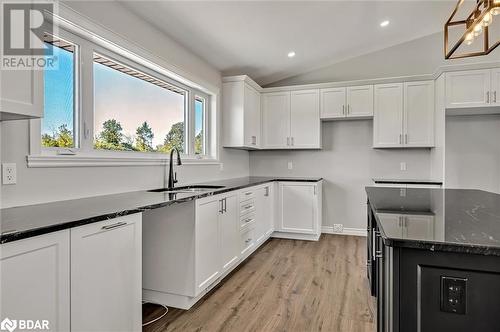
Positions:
{"x": 172, "y": 180}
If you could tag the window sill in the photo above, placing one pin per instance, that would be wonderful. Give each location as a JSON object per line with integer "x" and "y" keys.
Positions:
{"x": 43, "y": 161}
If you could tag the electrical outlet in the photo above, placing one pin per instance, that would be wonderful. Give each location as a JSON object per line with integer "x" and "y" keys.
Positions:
{"x": 403, "y": 165}
{"x": 338, "y": 228}
{"x": 9, "y": 174}
{"x": 290, "y": 165}
{"x": 454, "y": 295}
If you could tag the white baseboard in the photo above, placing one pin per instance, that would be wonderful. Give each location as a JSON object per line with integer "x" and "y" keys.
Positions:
{"x": 347, "y": 231}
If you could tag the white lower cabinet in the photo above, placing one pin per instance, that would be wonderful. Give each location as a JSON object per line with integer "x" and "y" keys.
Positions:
{"x": 229, "y": 231}
{"x": 35, "y": 280}
{"x": 299, "y": 210}
{"x": 106, "y": 281}
{"x": 264, "y": 212}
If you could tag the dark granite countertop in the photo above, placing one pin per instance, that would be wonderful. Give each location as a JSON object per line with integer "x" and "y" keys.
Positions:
{"x": 407, "y": 181}
{"x": 26, "y": 221}
{"x": 458, "y": 220}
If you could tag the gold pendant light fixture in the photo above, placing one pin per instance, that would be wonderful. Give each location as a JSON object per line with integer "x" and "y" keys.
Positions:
{"x": 475, "y": 25}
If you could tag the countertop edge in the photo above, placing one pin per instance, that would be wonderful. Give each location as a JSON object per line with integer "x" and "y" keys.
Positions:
{"x": 24, "y": 234}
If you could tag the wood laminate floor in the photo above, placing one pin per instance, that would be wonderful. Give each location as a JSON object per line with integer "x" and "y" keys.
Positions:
{"x": 286, "y": 285}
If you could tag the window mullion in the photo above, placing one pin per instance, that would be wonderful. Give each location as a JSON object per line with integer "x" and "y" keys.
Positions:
{"x": 86, "y": 90}
{"x": 190, "y": 124}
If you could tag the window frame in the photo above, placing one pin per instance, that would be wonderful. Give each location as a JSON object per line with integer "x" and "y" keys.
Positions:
{"x": 84, "y": 153}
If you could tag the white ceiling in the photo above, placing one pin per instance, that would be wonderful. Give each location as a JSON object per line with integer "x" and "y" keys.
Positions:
{"x": 254, "y": 37}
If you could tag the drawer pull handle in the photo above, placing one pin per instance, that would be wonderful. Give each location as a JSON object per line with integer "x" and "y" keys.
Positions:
{"x": 248, "y": 193}
{"x": 248, "y": 207}
{"x": 248, "y": 241}
{"x": 248, "y": 220}
{"x": 118, "y": 224}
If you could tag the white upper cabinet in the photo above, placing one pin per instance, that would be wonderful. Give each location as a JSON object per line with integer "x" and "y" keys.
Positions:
{"x": 388, "y": 116}
{"x": 21, "y": 94}
{"x": 276, "y": 119}
{"x": 495, "y": 87}
{"x": 465, "y": 89}
{"x": 360, "y": 101}
{"x": 290, "y": 120}
{"x": 404, "y": 115}
{"x": 333, "y": 103}
{"x": 418, "y": 115}
{"x": 305, "y": 122}
{"x": 241, "y": 113}
{"x": 350, "y": 102}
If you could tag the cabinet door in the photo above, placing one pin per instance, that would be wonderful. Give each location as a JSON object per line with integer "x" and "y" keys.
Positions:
{"x": 495, "y": 87}
{"x": 229, "y": 232}
{"x": 269, "y": 211}
{"x": 35, "y": 280}
{"x": 261, "y": 215}
{"x": 387, "y": 118}
{"x": 305, "y": 122}
{"x": 106, "y": 275}
{"x": 298, "y": 208}
{"x": 21, "y": 93}
{"x": 419, "y": 114}
{"x": 333, "y": 103}
{"x": 360, "y": 101}
{"x": 276, "y": 119}
{"x": 252, "y": 116}
{"x": 466, "y": 89}
{"x": 208, "y": 262}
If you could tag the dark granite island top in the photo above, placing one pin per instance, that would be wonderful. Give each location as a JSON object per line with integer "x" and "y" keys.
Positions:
{"x": 26, "y": 221}
{"x": 457, "y": 220}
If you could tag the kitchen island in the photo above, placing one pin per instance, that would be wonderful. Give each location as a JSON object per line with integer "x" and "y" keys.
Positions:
{"x": 434, "y": 258}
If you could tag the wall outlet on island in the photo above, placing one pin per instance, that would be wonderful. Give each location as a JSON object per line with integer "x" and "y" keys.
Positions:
{"x": 290, "y": 165}
{"x": 9, "y": 174}
{"x": 338, "y": 228}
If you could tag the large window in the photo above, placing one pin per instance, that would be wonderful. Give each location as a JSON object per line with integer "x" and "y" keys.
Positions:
{"x": 58, "y": 124}
{"x": 112, "y": 104}
{"x": 136, "y": 112}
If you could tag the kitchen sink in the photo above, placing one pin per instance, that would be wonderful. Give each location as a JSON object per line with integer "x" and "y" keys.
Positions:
{"x": 188, "y": 189}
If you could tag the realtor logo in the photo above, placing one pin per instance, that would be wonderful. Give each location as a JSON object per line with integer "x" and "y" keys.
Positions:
{"x": 8, "y": 325}
{"x": 24, "y": 324}
{"x": 24, "y": 27}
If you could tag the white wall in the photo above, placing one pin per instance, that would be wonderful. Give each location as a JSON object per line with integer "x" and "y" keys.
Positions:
{"x": 47, "y": 184}
{"x": 473, "y": 152}
{"x": 348, "y": 163}
{"x": 416, "y": 57}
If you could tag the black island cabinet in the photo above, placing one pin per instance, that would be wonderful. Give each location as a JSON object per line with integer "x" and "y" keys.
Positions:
{"x": 434, "y": 259}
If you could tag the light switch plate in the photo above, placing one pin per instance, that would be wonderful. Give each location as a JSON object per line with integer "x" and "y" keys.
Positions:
{"x": 9, "y": 173}
{"x": 403, "y": 166}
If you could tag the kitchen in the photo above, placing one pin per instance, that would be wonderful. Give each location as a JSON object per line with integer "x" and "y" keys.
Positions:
{"x": 276, "y": 150}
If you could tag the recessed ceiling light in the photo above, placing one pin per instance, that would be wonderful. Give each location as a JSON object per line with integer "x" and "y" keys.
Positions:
{"x": 384, "y": 23}
{"x": 291, "y": 54}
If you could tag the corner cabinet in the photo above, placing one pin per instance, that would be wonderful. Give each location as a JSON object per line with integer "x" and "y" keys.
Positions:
{"x": 21, "y": 94}
{"x": 241, "y": 113}
{"x": 35, "y": 279}
{"x": 299, "y": 210}
{"x": 404, "y": 115}
{"x": 290, "y": 120}
{"x": 106, "y": 275}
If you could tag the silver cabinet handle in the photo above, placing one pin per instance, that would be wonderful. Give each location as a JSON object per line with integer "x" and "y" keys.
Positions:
{"x": 292, "y": 141}
{"x": 254, "y": 140}
{"x": 221, "y": 211}
{"x": 343, "y": 109}
{"x": 288, "y": 141}
{"x": 246, "y": 221}
{"x": 118, "y": 224}
{"x": 248, "y": 193}
{"x": 400, "y": 138}
{"x": 406, "y": 138}
{"x": 248, "y": 207}
{"x": 225, "y": 204}
{"x": 488, "y": 97}
{"x": 248, "y": 241}
{"x": 348, "y": 109}
{"x": 494, "y": 96}
{"x": 267, "y": 192}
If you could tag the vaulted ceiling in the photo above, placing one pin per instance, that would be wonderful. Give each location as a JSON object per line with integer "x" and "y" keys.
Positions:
{"x": 254, "y": 37}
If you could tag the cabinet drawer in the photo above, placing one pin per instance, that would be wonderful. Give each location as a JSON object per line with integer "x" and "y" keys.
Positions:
{"x": 247, "y": 221}
{"x": 247, "y": 207}
{"x": 247, "y": 241}
{"x": 246, "y": 195}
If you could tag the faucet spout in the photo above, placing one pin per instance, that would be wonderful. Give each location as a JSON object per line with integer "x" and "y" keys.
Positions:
{"x": 172, "y": 177}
